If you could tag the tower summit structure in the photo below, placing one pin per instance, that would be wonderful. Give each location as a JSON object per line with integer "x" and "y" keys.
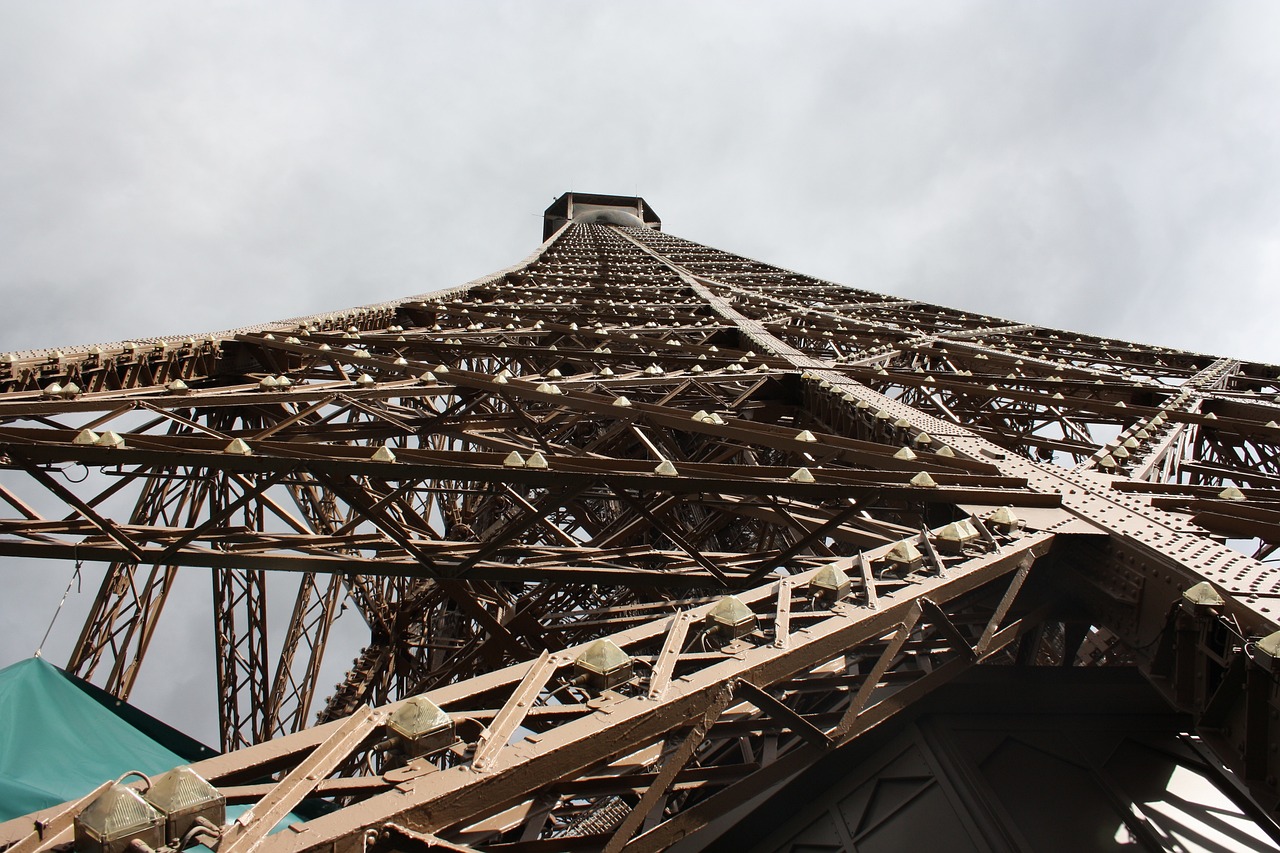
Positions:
{"x": 596, "y": 209}
{"x": 641, "y": 530}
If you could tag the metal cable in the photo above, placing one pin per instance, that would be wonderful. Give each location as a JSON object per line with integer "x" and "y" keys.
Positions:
{"x": 75, "y": 579}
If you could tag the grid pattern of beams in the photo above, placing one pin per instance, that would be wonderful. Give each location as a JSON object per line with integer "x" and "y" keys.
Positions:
{"x": 604, "y": 441}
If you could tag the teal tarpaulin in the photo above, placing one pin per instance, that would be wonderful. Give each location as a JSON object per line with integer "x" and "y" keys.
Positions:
{"x": 58, "y": 743}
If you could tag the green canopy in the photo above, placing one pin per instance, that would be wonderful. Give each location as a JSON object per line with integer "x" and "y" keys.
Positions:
{"x": 61, "y": 737}
{"x": 57, "y": 742}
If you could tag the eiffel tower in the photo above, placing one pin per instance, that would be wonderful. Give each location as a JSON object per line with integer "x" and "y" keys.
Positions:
{"x": 641, "y": 529}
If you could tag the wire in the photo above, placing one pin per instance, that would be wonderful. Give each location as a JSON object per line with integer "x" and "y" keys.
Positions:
{"x": 68, "y": 478}
{"x": 139, "y": 774}
{"x": 75, "y": 579}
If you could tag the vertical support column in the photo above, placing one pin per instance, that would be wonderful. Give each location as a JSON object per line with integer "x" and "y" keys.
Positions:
{"x": 240, "y": 652}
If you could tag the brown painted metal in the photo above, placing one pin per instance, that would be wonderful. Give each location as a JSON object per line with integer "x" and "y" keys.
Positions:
{"x": 58, "y": 826}
{"x": 248, "y": 831}
{"x": 463, "y": 469}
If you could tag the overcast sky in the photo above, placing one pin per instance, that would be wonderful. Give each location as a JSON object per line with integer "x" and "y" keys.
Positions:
{"x": 184, "y": 167}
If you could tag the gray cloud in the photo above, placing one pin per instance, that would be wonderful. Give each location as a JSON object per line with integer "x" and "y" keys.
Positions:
{"x": 193, "y": 167}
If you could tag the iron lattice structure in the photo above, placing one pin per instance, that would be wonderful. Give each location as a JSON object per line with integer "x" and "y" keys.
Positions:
{"x": 607, "y": 440}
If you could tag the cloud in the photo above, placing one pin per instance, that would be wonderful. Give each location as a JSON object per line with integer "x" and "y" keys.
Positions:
{"x": 194, "y": 167}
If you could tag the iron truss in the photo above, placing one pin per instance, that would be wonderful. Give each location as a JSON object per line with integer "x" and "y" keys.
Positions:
{"x": 606, "y": 441}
